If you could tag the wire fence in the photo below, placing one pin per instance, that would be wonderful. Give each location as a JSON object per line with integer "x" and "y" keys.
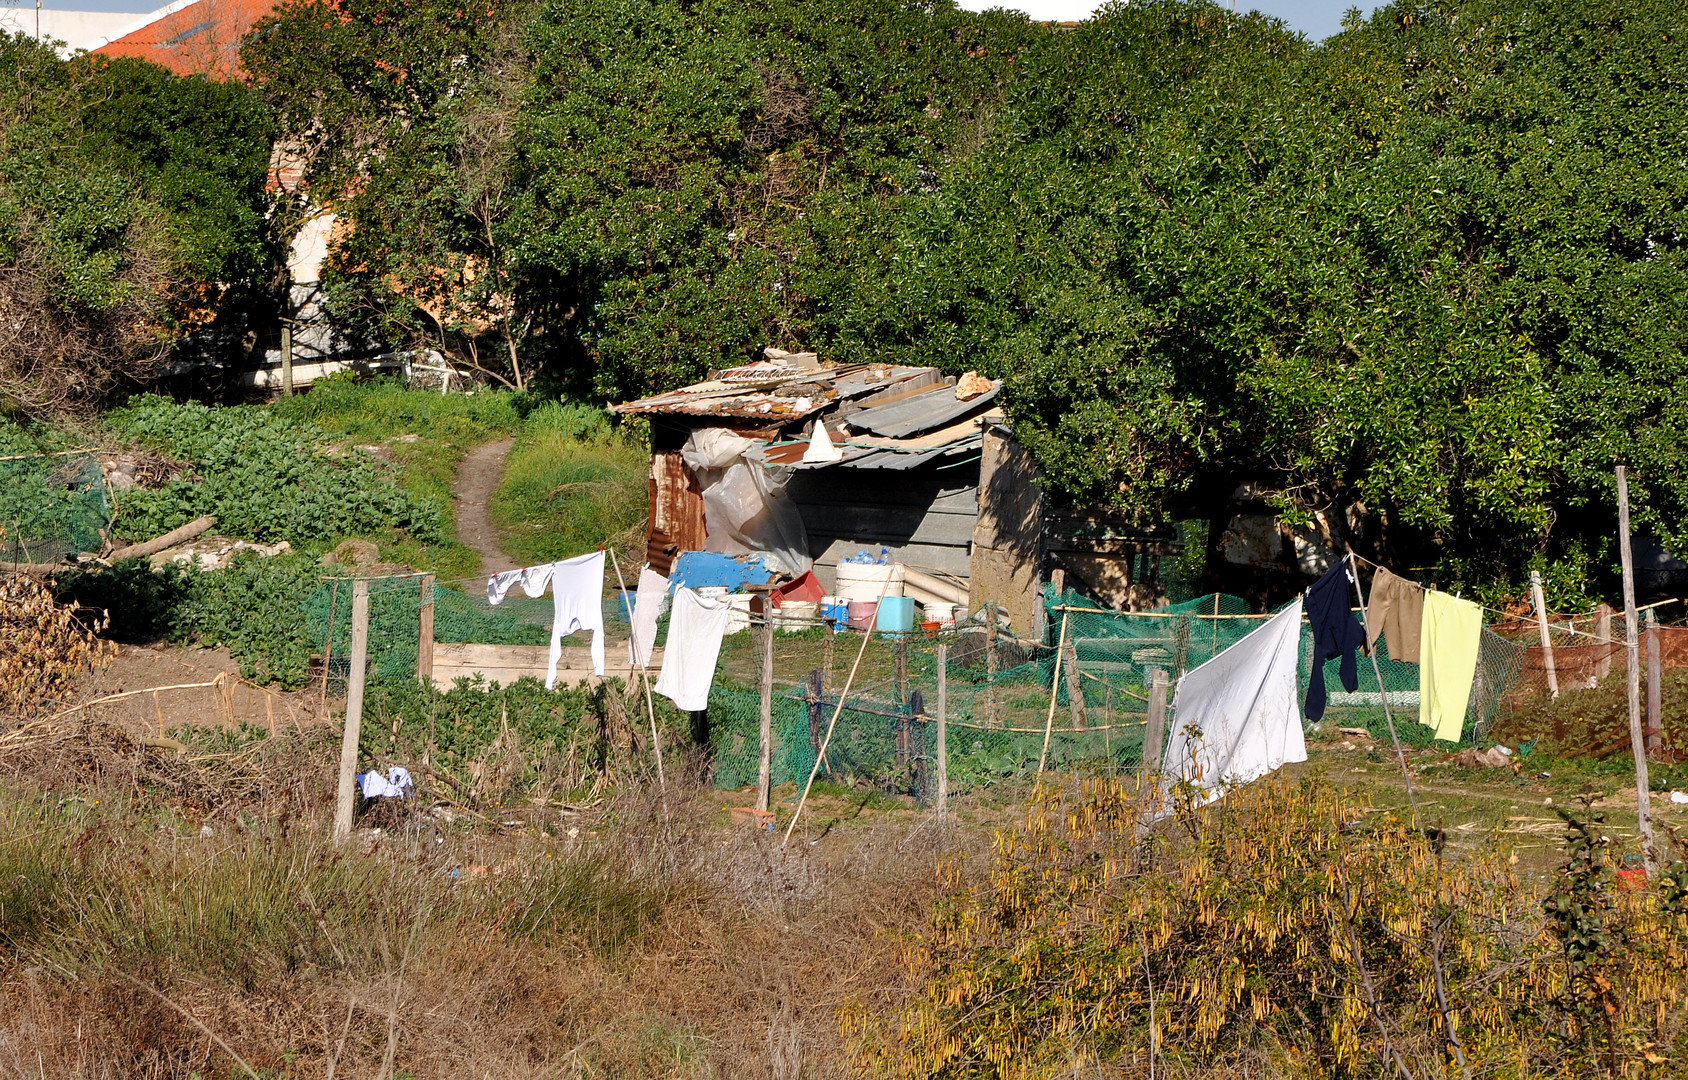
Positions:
{"x": 52, "y": 507}
{"x": 1078, "y": 703}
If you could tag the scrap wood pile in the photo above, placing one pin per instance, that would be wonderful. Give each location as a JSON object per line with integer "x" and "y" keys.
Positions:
{"x": 1594, "y": 721}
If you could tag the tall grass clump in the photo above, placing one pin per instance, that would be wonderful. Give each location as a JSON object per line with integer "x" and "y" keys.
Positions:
{"x": 571, "y": 483}
{"x": 1288, "y": 931}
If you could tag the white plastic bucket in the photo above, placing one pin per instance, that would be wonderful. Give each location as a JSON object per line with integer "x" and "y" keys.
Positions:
{"x": 941, "y": 613}
{"x": 867, "y": 581}
{"x": 795, "y": 615}
{"x": 738, "y": 612}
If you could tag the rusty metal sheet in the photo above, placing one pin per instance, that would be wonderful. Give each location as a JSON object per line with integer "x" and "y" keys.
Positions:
{"x": 776, "y": 392}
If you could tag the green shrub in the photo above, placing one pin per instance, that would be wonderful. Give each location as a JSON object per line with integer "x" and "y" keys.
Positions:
{"x": 264, "y": 478}
{"x": 251, "y": 607}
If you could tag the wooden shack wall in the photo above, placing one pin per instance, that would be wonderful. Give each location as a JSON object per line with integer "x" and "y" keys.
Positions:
{"x": 925, "y": 516}
{"x": 676, "y": 511}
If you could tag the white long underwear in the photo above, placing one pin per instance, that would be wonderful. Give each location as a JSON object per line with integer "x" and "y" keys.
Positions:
{"x": 577, "y": 596}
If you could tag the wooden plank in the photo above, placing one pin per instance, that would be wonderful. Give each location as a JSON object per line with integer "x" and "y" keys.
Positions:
{"x": 504, "y": 664}
{"x": 888, "y": 525}
{"x": 895, "y": 496}
{"x": 868, "y": 487}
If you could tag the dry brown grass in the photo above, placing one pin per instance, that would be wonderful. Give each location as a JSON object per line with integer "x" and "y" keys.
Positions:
{"x": 656, "y": 942}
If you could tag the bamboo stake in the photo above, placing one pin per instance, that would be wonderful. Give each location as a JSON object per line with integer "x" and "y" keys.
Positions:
{"x": 1546, "y": 639}
{"x": 836, "y": 712}
{"x": 1412, "y": 798}
{"x": 1655, "y": 701}
{"x": 1054, "y": 691}
{"x": 645, "y": 680}
{"x": 1637, "y": 742}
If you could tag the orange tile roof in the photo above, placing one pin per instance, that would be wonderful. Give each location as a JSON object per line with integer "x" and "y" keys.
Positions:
{"x": 198, "y": 37}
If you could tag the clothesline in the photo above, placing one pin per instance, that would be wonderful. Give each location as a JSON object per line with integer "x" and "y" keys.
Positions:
{"x": 1569, "y": 616}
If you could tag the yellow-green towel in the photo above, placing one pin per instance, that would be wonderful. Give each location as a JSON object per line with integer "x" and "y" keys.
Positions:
{"x": 1448, "y": 640}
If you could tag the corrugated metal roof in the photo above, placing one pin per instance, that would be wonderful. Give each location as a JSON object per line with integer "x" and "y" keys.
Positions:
{"x": 766, "y": 390}
{"x": 939, "y": 408}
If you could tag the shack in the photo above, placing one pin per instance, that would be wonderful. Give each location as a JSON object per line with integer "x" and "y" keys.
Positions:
{"x": 813, "y": 463}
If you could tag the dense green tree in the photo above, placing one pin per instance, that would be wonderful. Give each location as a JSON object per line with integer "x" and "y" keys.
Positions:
{"x": 131, "y": 213}
{"x": 1423, "y": 280}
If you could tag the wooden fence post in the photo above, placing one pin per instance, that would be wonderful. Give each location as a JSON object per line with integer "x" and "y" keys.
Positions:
{"x": 817, "y": 720}
{"x": 425, "y": 633}
{"x": 899, "y": 653}
{"x": 1154, "y": 735}
{"x": 1540, "y": 605}
{"x": 1075, "y": 688}
{"x": 286, "y": 357}
{"x": 943, "y": 728}
{"x": 346, "y": 797}
{"x": 1654, "y": 731}
{"x": 765, "y": 756}
{"x": 1637, "y": 742}
{"x": 1603, "y": 631}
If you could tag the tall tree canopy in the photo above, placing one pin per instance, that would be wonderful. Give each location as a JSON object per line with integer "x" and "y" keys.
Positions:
{"x": 131, "y": 212}
{"x": 1426, "y": 277}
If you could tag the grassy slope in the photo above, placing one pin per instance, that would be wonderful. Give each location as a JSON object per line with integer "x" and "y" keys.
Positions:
{"x": 571, "y": 484}
{"x": 383, "y": 413}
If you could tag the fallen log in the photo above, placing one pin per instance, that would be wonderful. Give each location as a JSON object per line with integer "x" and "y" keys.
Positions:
{"x": 39, "y": 569}
{"x": 170, "y": 539}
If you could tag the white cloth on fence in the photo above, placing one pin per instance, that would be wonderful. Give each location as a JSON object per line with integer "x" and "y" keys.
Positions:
{"x": 695, "y": 630}
{"x": 532, "y": 579}
{"x": 647, "y": 604}
{"x": 395, "y": 785}
{"x": 1234, "y": 718}
{"x": 577, "y": 597}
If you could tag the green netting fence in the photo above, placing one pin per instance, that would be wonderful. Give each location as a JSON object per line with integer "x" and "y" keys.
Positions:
{"x": 1005, "y": 708}
{"x": 460, "y": 616}
{"x": 52, "y": 507}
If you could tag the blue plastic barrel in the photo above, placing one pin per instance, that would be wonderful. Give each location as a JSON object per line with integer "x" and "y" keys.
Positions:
{"x": 895, "y": 615}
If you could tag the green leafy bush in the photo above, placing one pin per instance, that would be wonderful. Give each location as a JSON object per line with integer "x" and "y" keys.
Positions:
{"x": 250, "y": 607}
{"x": 263, "y": 478}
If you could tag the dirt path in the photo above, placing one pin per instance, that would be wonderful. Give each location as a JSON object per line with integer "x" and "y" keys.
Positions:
{"x": 477, "y": 478}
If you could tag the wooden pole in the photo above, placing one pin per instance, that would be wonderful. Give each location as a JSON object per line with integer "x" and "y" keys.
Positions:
{"x": 816, "y": 695}
{"x": 1540, "y": 604}
{"x": 991, "y": 717}
{"x": 1054, "y": 692}
{"x": 286, "y": 358}
{"x": 765, "y": 756}
{"x": 1603, "y": 631}
{"x": 328, "y": 646}
{"x": 345, "y": 800}
{"x": 1654, "y": 731}
{"x": 1637, "y": 742}
{"x": 644, "y": 679}
{"x": 1075, "y": 690}
{"x": 1154, "y": 738}
{"x": 833, "y": 723}
{"x": 425, "y": 633}
{"x": 899, "y": 653}
{"x": 943, "y": 728}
